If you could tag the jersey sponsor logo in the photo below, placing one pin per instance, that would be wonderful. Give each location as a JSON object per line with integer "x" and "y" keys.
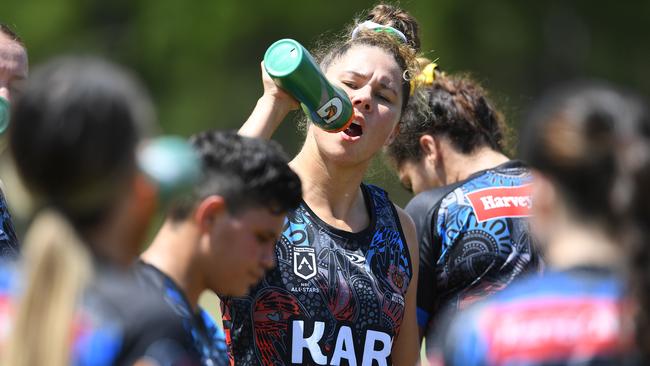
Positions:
{"x": 553, "y": 329}
{"x": 499, "y": 202}
{"x": 304, "y": 262}
{"x": 305, "y": 348}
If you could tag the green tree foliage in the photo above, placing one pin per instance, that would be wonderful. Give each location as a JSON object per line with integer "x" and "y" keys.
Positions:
{"x": 201, "y": 58}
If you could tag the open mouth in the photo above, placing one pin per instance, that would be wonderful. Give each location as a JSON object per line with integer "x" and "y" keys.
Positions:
{"x": 353, "y": 130}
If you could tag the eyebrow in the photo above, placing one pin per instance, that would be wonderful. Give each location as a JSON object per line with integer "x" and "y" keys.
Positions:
{"x": 268, "y": 234}
{"x": 381, "y": 83}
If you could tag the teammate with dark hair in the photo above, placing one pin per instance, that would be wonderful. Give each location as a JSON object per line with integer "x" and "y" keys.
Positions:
{"x": 74, "y": 137}
{"x": 222, "y": 238}
{"x": 13, "y": 72}
{"x": 471, "y": 200}
{"x": 589, "y": 147}
{"x": 344, "y": 287}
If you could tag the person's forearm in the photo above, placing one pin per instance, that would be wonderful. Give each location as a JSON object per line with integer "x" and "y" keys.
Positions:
{"x": 265, "y": 118}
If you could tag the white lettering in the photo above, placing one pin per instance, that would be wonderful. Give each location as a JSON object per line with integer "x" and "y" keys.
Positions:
{"x": 557, "y": 326}
{"x": 491, "y": 202}
{"x": 498, "y": 202}
{"x": 344, "y": 347}
{"x": 488, "y": 202}
{"x": 298, "y": 342}
{"x": 305, "y": 262}
{"x": 377, "y": 346}
{"x": 370, "y": 352}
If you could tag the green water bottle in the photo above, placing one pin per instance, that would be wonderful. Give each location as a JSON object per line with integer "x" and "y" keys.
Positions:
{"x": 172, "y": 164}
{"x": 293, "y": 69}
{"x": 4, "y": 114}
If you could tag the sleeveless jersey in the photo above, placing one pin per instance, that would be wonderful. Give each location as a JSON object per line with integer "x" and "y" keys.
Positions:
{"x": 572, "y": 317}
{"x": 334, "y": 296}
{"x": 208, "y": 339}
{"x": 473, "y": 238}
{"x": 8, "y": 241}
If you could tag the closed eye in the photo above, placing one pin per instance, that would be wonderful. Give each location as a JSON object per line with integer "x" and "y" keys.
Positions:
{"x": 384, "y": 98}
{"x": 264, "y": 238}
{"x": 350, "y": 84}
{"x": 407, "y": 186}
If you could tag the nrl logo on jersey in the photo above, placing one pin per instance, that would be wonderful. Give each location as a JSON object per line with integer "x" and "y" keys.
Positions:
{"x": 304, "y": 262}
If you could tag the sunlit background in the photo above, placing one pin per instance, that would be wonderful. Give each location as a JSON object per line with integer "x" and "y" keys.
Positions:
{"x": 200, "y": 59}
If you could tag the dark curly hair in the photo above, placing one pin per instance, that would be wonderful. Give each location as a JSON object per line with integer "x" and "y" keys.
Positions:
{"x": 456, "y": 107}
{"x": 403, "y": 53}
{"x": 247, "y": 172}
{"x": 7, "y": 31}
{"x": 393, "y": 16}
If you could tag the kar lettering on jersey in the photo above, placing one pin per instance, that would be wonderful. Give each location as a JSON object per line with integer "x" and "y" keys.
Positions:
{"x": 499, "y": 202}
{"x": 305, "y": 348}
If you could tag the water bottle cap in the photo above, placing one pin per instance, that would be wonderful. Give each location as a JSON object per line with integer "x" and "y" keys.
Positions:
{"x": 283, "y": 57}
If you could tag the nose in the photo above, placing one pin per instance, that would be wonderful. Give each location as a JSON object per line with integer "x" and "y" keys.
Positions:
{"x": 362, "y": 98}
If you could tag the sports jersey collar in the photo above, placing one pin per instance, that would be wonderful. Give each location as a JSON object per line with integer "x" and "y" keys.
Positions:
{"x": 361, "y": 235}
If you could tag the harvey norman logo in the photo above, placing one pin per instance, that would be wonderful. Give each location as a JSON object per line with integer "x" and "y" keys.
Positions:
{"x": 498, "y": 202}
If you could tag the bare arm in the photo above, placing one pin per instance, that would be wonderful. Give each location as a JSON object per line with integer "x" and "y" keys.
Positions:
{"x": 406, "y": 348}
{"x": 270, "y": 110}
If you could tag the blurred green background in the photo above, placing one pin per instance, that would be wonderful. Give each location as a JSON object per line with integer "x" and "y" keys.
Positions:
{"x": 200, "y": 59}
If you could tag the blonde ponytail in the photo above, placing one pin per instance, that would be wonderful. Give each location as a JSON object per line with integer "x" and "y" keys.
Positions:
{"x": 57, "y": 266}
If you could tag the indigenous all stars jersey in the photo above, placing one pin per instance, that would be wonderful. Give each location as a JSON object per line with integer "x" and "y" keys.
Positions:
{"x": 473, "y": 237}
{"x": 8, "y": 241}
{"x": 334, "y": 296}
{"x": 574, "y": 317}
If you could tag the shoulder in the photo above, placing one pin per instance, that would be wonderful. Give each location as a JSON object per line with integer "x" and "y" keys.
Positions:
{"x": 426, "y": 201}
{"x": 410, "y": 233}
{"x": 149, "y": 327}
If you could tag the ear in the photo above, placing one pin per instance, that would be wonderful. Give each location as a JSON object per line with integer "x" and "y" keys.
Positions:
{"x": 209, "y": 210}
{"x": 430, "y": 147}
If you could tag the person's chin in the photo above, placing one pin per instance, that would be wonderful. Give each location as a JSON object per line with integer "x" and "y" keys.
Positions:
{"x": 242, "y": 290}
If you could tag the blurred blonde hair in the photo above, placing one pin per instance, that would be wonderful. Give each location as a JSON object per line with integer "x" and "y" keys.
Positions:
{"x": 57, "y": 266}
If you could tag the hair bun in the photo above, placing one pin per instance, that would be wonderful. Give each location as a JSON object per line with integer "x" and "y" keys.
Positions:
{"x": 401, "y": 20}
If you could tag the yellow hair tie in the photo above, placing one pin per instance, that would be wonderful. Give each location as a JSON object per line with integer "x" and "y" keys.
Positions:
{"x": 424, "y": 78}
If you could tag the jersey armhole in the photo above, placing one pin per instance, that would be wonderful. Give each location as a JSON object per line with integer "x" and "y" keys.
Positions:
{"x": 402, "y": 236}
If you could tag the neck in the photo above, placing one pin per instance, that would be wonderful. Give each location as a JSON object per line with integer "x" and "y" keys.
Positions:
{"x": 332, "y": 191}
{"x": 459, "y": 166}
{"x": 115, "y": 241}
{"x": 173, "y": 253}
{"x": 574, "y": 245}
